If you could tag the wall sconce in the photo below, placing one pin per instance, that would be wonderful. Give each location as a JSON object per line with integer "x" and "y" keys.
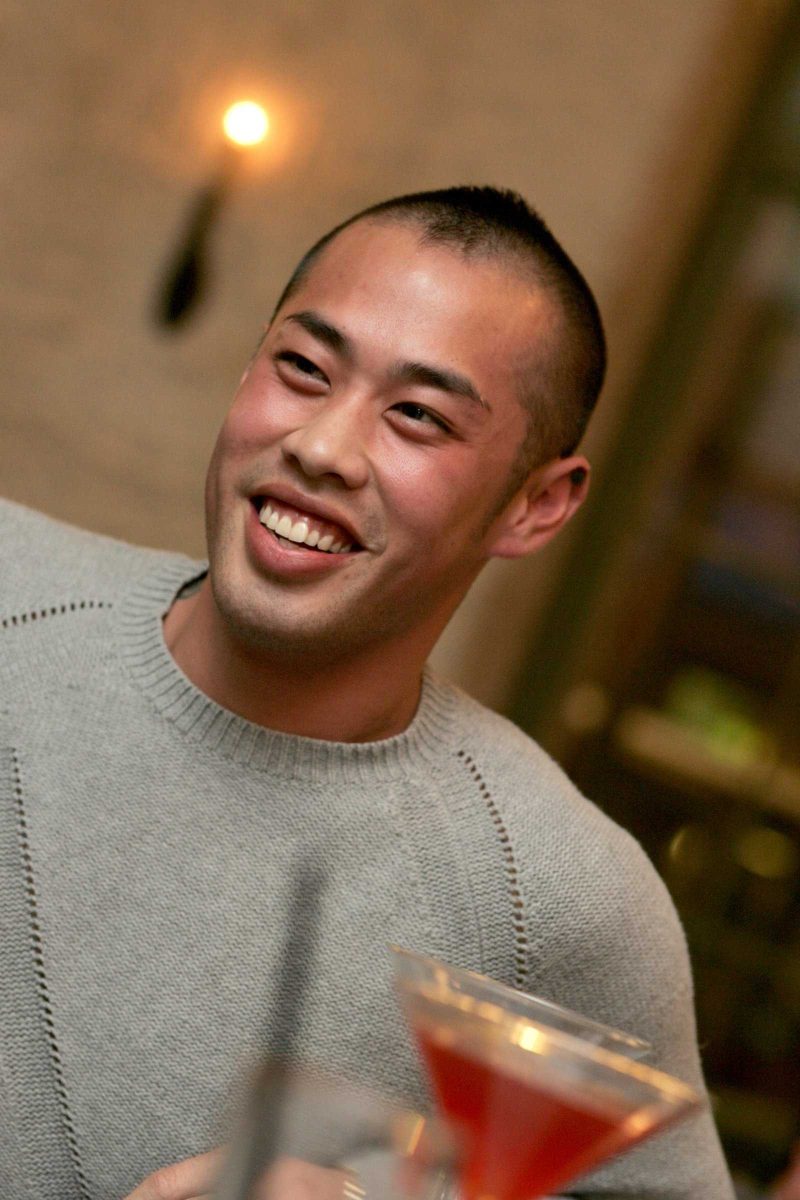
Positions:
{"x": 245, "y": 124}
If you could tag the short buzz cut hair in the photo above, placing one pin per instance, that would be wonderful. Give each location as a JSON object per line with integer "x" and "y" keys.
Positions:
{"x": 561, "y": 388}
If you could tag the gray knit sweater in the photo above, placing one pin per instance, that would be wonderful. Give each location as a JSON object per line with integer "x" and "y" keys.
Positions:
{"x": 147, "y": 838}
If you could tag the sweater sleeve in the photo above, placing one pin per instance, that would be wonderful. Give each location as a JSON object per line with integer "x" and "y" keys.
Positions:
{"x": 622, "y": 958}
{"x": 47, "y": 566}
{"x": 601, "y": 936}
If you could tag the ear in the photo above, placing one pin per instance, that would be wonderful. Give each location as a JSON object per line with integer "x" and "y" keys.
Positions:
{"x": 550, "y": 496}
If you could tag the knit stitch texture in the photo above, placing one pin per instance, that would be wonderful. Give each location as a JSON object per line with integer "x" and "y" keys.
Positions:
{"x": 147, "y": 844}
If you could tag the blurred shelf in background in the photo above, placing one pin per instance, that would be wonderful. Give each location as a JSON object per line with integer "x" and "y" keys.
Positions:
{"x": 658, "y": 745}
{"x": 667, "y": 677}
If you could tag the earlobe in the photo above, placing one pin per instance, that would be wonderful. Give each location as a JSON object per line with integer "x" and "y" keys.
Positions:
{"x": 548, "y": 499}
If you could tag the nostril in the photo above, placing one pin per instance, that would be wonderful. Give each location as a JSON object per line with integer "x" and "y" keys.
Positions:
{"x": 317, "y": 453}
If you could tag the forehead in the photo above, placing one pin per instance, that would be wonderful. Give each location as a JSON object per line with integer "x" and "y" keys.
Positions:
{"x": 391, "y": 292}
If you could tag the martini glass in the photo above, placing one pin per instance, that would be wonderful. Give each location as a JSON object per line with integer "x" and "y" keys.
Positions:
{"x": 532, "y": 1102}
{"x": 428, "y": 973}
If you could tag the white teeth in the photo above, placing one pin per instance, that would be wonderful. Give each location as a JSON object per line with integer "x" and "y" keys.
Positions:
{"x": 299, "y": 532}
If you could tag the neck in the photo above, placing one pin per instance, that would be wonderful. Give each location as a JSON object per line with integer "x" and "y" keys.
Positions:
{"x": 361, "y": 699}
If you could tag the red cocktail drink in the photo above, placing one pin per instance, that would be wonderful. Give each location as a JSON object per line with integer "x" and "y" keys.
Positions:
{"x": 517, "y": 1140}
{"x": 531, "y": 1106}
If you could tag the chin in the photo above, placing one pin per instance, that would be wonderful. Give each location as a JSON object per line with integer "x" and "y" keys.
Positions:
{"x": 245, "y": 618}
{"x": 267, "y": 626}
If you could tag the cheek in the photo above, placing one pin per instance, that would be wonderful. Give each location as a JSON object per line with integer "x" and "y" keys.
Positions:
{"x": 411, "y": 484}
{"x": 244, "y": 426}
{"x": 250, "y": 426}
{"x": 232, "y": 448}
{"x": 437, "y": 494}
{"x": 211, "y": 493}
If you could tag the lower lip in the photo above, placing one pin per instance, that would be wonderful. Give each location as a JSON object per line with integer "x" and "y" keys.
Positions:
{"x": 287, "y": 559}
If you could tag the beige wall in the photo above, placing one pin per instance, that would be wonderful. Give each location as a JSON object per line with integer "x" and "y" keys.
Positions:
{"x": 610, "y": 115}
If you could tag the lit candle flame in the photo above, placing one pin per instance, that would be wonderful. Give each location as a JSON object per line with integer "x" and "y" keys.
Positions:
{"x": 246, "y": 123}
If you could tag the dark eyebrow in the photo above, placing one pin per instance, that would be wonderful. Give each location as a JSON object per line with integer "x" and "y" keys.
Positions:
{"x": 441, "y": 378}
{"x": 422, "y": 374}
{"x": 324, "y": 332}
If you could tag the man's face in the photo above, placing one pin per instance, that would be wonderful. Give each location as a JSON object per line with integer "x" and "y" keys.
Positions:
{"x": 381, "y": 414}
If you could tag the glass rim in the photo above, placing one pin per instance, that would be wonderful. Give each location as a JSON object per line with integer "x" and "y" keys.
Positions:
{"x": 609, "y": 1033}
{"x": 520, "y": 1028}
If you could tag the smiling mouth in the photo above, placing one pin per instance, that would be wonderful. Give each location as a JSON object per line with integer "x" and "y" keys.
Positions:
{"x": 295, "y": 528}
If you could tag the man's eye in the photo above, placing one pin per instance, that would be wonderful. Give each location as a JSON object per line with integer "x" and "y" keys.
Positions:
{"x": 417, "y": 412}
{"x": 301, "y": 365}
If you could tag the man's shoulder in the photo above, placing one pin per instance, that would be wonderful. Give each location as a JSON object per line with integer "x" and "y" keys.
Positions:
{"x": 46, "y": 561}
{"x": 533, "y": 794}
{"x": 507, "y": 756}
{"x": 587, "y": 879}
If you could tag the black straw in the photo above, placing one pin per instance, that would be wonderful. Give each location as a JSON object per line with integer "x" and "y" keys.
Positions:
{"x": 259, "y": 1136}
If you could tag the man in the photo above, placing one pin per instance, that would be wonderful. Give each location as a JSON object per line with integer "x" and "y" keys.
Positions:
{"x": 177, "y": 738}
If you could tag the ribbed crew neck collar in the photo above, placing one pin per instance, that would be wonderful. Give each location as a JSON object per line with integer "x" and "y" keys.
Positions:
{"x": 222, "y": 733}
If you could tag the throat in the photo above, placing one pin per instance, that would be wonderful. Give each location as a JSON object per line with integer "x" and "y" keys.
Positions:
{"x": 362, "y": 699}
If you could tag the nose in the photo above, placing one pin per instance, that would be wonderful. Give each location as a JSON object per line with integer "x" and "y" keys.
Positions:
{"x": 331, "y": 442}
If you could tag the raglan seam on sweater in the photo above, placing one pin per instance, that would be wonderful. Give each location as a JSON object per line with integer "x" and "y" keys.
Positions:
{"x": 54, "y": 610}
{"x": 41, "y": 978}
{"x": 518, "y": 921}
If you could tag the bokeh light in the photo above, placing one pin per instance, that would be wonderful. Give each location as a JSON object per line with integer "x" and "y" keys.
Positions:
{"x": 246, "y": 123}
{"x": 766, "y": 852}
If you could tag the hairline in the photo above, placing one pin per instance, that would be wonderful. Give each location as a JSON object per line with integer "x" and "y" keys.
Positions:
{"x": 532, "y": 265}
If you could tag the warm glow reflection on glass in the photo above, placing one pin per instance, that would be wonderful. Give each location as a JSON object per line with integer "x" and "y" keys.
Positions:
{"x": 531, "y": 1039}
{"x": 639, "y": 1123}
{"x": 246, "y": 123}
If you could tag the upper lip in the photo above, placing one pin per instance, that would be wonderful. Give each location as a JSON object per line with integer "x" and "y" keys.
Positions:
{"x": 315, "y": 508}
